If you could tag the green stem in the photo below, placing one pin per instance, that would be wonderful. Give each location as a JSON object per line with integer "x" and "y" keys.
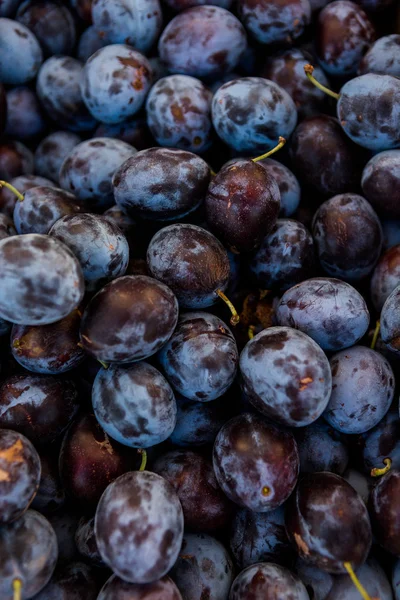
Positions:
{"x": 376, "y": 334}
{"x": 12, "y": 189}
{"x": 235, "y": 317}
{"x": 379, "y": 472}
{"x": 309, "y": 69}
{"x": 280, "y": 144}
{"x": 143, "y": 452}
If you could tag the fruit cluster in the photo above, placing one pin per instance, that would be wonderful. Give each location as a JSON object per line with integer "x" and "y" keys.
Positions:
{"x": 153, "y": 445}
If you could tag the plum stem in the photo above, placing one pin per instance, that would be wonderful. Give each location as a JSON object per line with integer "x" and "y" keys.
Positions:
{"x": 250, "y": 331}
{"x": 280, "y": 144}
{"x": 355, "y": 580}
{"x": 213, "y": 173}
{"x": 378, "y": 472}
{"x": 12, "y": 189}
{"x": 309, "y": 69}
{"x": 143, "y": 452}
{"x": 103, "y": 364}
{"x": 17, "y": 587}
{"x": 376, "y": 333}
{"x": 235, "y": 317}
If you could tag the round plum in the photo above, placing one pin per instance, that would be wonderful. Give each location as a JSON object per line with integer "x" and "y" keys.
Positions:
{"x": 381, "y": 183}
{"x": 18, "y": 42}
{"x": 269, "y": 581}
{"x": 52, "y": 151}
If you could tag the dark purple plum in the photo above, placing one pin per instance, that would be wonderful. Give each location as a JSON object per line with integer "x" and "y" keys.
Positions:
{"x": 381, "y": 183}
{"x": 202, "y": 41}
{"x": 386, "y": 277}
{"x": 22, "y": 183}
{"x": 178, "y": 5}
{"x": 191, "y": 261}
{"x": 39, "y": 407}
{"x": 391, "y": 232}
{"x": 330, "y": 311}
{"x": 71, "y": 582}
{"x": 383, "y": 441}
{"x": 131, "y": 318}
{"x": 134, "y": 22}
{"x": 139, "y": 526}
{"x": 24, "y": 116}
{"x": 85, "y": 541}
{"x": 362, "y": 390}
{"x": 255, "y": 463}
{"x": 7, "y": 228}
{"x": 205, "y": 506}
{"x": 43, "y": 278}
{"x": 161, "y": 183}
{"x": 88, "y": 169}
{"x": 28, "y": 548}
{"x": 15, "y": 159}
{"x": 382, "y": 57}
{"x": 371, "y": 576}
{"x": 41, "y": 207}
{"x": 288, "y": 185}
{"x": 286, "y": 256}
{"x": 384, "y": 511}
{"x": 50, "y": 496}
{"x": 19, "y": 475}
{"x": 83, "y": 9}
{"x": 52, "y": 151}
{"x": 286, "y": 376}
{"x": 132, "y": 131}
{"x": 116, "y": 588}
{"x": 324, "y": 158}
{"x": 348, "y": 236}
{"x": 260, "y": 537}
{"x": 200, "y": 360}
{"x": 135, "y": 404}
{"x": 251, "y": 113}
{"x": 203, "y": 568}
{"x": 178, "y": 111}
{"x": 328, "y": 523}
{"x": 390, "y": 321}
{"x": 268, "y": 581}
{"x": 99, "y": 245}
{"x": 242, "y": 205}
{"x": 321, "y": 448}
{"x": 275, "y": 22}
{"x": 18, "y": 42}
{"x": 318, "y": 583}
{"x": 90, "y": 461}
{"x": 115, "y": 82}
{"x": 58, "y": 89}
{"x": 89, "y": 42}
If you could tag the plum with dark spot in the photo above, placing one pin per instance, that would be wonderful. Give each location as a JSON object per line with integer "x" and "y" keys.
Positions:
{"x": 163, "y": 589}
{"x": 385, "y": 513}
{"x": 178, "y": 111}
{"x": 383, "y": 441}
{"x": 383, "y": 57}
{"x": 88, "y": 169}
{"x": 321, "y": 448}
{"x": 89, "y": 42}
{"x": 286, "y": 376}
{"x": 205, "y": 507}
{"x": 201, "y": 358}
{"x": 381, "y": 183}
{"x": 24, "y": 115}
{"x": 135, "y": 404}
{"x": 191, "y": 261}
{"x": 19, "y": 475}
{"x": 43, "y": 278}
{"x": 330, "y": 311}
{"x": 73, "y": 581}
{"x": 390, "y": 321}
{"x": 58, "y": 89}
{"x": 328, "y": 523}
{"x": 268, "y": 581}
{"x": 15, "y": 159}
{"x": 131, "y": 318}
{"x": 255, "y": 463}
{"x": 251, "y": 113}
{"x": 348, "y": 236}
{"x": 18, "y": 42}
{"x": 89, "y": 461}
{"x": 115, "y": 82}
{"x": 362, "y": 390}
{"x": 29, "y": 553}
{"x": 161, "y": 183}
{"x": 85, "y": 541}
{"x": 52, "y": 151}
{"x": 39, "y": 407}
{"x": 139, "y": 526}
{"x": 371, "y": 576}
{"x": 50, "y": 496}
{"x": 386, "y": 277}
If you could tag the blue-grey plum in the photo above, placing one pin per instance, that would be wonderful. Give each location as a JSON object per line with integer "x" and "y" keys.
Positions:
{"x": 321, "y": 448}
{"x": 381, "y": 183}
{"x": 268, "y": 580}
{"x": 20, "y": 53}
{"x": 286, "y": 256}
{"x": 139, "y": 526}
{"x": 371, "y": 576}
{"x": 52, "y": 151}
{"x": 15, "y": 159}
{"x": 178, "y": 111}
{"x": 386, "y": 277}
{"x": 65, "y": 523}
{"x": 88, "y": 169}
{"x": 348, "y": 236}
{"x": 24, "y": 115}
{"x": 161, "y": 183}
{"x": 391, "y": 232}
{"x": 191, "y": 261}
{"x": 251, "y": 113}
{"x": 318, "y": 583}
{"x": 115, "y": 82}
{"x": 127, "y": 225}
{"x": 382, "y": 57}
{"x": 330, "y": 311}
{"x": 390, "y": 321}
{"x": 74, "y": 581}
{"x": 260, "y": 537}
{"x": 163, "y": 589}
{"x": 58, "y": 90}
{"x": 178, "y": 5}
{"x": 383, "y": 441}
{"x": 255, "y": 463}
{"x": 89, "y": 42}
{"x": 286, "y": 376}
{"x": 135, "y": 405}
{"x": 202, "y": 41}
{"x": 133, "y": 22}
{"x": 41, "y": 276}
{"x": 362, "y": 390}
{"x": 203, "y": 568}
{"x": 131, "y": 318}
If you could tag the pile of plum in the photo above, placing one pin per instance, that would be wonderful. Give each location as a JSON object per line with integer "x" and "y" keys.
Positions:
{"x": 199, "y": 344}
